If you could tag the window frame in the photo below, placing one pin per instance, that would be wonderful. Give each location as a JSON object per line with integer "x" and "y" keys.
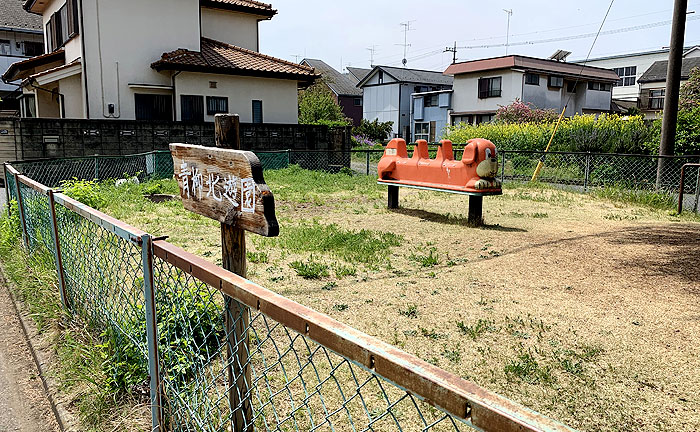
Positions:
{"x": 657, "y": 99}
{"x": 191, "y": 118}
{"x": 262, "y": 117}
{"x": 559, "y": 81}
{"x": 529, "y": 80}
{"x": 627, "y": 75}
{"x": 423, "y": 134}
{"x": 167, "y": 115}
{"x": 213, "y": 110}
{"x": 571, "y": 86}
{"x": 357, "y": 102}
{"x": 486, "y": 88}
{"x": 8, "y": 44}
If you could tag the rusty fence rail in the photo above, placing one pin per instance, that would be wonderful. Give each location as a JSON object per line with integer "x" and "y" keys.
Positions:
{"x": 174, "y": 319}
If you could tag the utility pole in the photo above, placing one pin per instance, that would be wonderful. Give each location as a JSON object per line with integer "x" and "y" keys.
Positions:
{"x": 673, "y": 85}
{"x": 453, "y": 51}
{"x": 510, "y": 13}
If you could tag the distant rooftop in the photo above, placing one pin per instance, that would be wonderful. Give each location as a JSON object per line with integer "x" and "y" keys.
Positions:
{"x": 358, "y": 74}
{"x": 405, "y": 75}
{"x": 532, "y": 64}
{"x": 340, "y": 84}
{"x": 13, "y": 16}
{"x": 657, "y": 71}
{"x": 635, "y": 54}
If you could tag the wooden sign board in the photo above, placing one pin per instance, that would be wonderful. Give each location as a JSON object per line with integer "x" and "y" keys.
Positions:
{"x": 225, "y": 185}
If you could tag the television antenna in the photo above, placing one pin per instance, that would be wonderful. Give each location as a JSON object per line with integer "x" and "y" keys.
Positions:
{"x": 510, "y": 13}
{"x": 406, "y": 28}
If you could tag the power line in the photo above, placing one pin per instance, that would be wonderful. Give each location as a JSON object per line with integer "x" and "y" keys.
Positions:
{"x": 579, "y": 36}
{"x": 453, "y": 51}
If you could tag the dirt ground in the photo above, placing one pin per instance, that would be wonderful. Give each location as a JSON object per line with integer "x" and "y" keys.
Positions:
{"x": 23, "y": 403}
{"x": 580, "y": 308}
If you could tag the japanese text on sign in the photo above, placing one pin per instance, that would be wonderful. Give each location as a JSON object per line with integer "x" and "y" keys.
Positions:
{"x": 239, "y": 192}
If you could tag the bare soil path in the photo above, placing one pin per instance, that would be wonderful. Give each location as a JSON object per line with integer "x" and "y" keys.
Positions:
{"x": 24, "y": 406}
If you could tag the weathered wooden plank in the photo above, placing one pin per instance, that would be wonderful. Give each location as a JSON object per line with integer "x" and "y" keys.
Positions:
{"x": 225, "y": 185}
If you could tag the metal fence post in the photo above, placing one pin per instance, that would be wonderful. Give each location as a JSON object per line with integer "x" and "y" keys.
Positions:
{"x": 97, "y": 172}
{"x": 7, "y": 188}
{"x": 503, "y": 167}
{"x": 57, "y": 250}
{"x": 587, "y": 172}
{"x": 151, "y": 331}
{"x": 289, "y": 157}
{"x": 20, "y": 206}
{"x": 367, "y": 162}
{"x": 697, "y": 191}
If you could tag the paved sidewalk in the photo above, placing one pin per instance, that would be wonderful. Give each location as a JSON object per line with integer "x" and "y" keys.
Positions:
{"x": 24, "y": 406}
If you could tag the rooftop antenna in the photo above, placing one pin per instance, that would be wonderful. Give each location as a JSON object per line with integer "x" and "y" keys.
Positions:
{"x": 371, "y": 50}
{"x": 296, "y": 57}
{"x": 510, "y": 13}
{"x": 406, "y": 28}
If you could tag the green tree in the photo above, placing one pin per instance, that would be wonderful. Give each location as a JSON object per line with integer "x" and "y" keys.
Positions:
{"x": 317, "y": 106}
{"x": 690, "y": 91}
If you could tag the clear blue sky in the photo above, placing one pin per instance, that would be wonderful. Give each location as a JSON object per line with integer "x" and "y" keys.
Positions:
{"x": 342, "y": 31}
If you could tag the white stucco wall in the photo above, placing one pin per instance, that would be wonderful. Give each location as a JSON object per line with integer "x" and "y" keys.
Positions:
{"x": 279, "y": 97}
{"x": 129, "y": 35}
{"x": 231, "y": 27}
{"x": 466, "y": 91}
{"x": 72, "y": 91}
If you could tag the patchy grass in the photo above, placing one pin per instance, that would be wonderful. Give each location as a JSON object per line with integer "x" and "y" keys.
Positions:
{"x": 310, "y": 269}
{"x": 650, "y": 199}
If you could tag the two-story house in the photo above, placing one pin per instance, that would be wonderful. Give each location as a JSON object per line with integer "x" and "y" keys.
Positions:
{"x": 342, "y": 86}
{"x": 652, "y": 85}
{"x": 387, "y": 93}
{"x": 20, "y": 38}
{"x": 630, "y": 67}
{"x": 156, "y": 60}
{"x": 482, "y": 86}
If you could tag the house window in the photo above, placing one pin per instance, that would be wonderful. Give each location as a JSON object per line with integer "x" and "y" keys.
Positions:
{"x": 49, "y": 38}
{"x": 5, "y": 47}
{"x": 556, "y": 82}
{"x": 489, "y": 87}
{"x": 532, "y": 79}
{"x": 192, "y": 108}
{"x": 28, "y": 105}
{"x": 62, "y": 26}
{"x": 484, "y": 118}
{"x": 357, "y": 102}
{"x": 571, "y": 86}
{"x": 380, "y": 77}
{"x": 598, "y": 86}
{"x": 656, "y": 99}
{"x": 628, "y": 76}
{"x": 153, "y": 107}
{"x": 31, "y": 49}
{"x": 431, "y": 100}
{"x": 257, "y": 112}
{"x": 422, "y": 131}
{"x": 71, "y": 18}
{"x": 217, "y": 105}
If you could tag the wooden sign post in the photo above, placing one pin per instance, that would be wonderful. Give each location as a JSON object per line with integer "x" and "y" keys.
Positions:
{"x": 227, "y": 184}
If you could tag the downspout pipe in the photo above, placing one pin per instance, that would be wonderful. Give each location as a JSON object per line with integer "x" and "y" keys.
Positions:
{"x": 84, "y": 62}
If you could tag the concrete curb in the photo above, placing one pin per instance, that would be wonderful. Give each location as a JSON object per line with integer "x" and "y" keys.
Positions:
{"x": 66, "y": 421}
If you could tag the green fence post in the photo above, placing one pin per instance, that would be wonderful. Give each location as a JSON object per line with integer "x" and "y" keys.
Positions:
{"x": 587, "y": 173}
{"x": 20, "y": 205}
{"x": 57, "y": 250}
{"x": 151, "y": 332}
{"x": 7, "y": 188}
{"x": 503, "y": 167}
{"x": 367, "y": 162}
{"x": 97, "y": 173}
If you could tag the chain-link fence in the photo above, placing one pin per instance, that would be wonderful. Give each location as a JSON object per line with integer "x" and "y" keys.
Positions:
{"x": 220, "y": 353}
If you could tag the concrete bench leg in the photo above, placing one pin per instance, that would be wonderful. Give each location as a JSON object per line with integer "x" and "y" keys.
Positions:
{"x": 476, "y": 204}
{"x": 393, "y": 197}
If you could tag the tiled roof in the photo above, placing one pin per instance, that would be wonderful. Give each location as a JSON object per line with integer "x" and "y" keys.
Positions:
{"x": 222, "y": 58}
{"x": 248, "y": 6}
{"x": 23, "y": 69}
{"x": 13, "y": 15}
{"x": 340, "y": 84}
{"x": 657, "y": 71}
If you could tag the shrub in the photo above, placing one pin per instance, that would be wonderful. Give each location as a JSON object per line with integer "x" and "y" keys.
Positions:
{"x": 606, "y": 134}
{"x": 373, "y": 130}
{"x": 521, "y": 112}
{"x": 317, "y": 106}
{"x": 85, "y": 191}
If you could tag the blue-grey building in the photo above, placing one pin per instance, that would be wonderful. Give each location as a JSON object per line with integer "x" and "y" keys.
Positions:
{"x": 387, "y": 93}
{"x": 430, "y": 114}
